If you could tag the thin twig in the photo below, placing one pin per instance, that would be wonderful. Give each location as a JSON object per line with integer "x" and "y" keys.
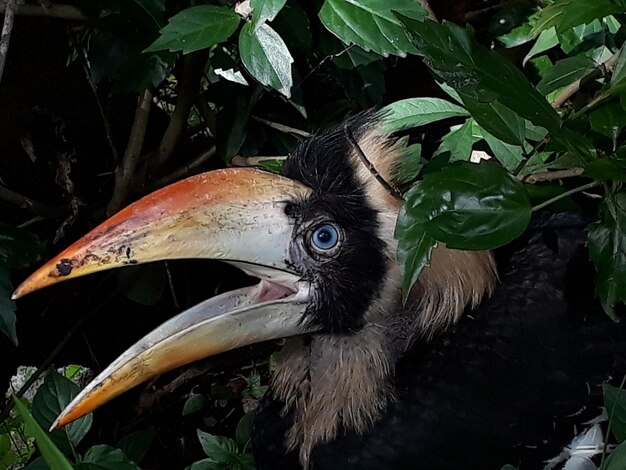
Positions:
{"x": 45, "y": 365}
{"x": 126, "y": 169}
{"x": 282, "y": 127}
{"x": 565, "y": 194}
{"x": 604, "y": 68}
{"x": 105, "y": 119}
{"x": 183, "y": 171}
{"x": 370, "y": 166}
{"x": 188, "y": 88}
{"x": 551, "y": 175}
{"x": 27, "y": 203}
{"x": 238, "y": 160}
{"x": 5, "y": 38}
{"x": 64, "y": 12}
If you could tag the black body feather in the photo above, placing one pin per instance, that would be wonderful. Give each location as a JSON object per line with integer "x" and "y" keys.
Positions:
{"x": 512, "y": 382}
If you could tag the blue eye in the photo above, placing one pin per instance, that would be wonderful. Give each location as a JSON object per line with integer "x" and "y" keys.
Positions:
{"x": 325, "y": 237}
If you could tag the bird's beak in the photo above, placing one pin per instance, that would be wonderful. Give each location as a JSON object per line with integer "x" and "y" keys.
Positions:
{"x": 235, "y": 215}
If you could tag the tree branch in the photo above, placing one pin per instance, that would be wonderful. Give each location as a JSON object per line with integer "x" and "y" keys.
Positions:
{"x": 551, "y": 175}
{"x": 65, "y": 12}
{"x": 604, "y": 68}
{"x": 126, "y": 169}
{"x": 188, "y": 87}
{"x": 27, "y": 203}
{"x": 5, "y": 38}
{"x": 282, "y": 127}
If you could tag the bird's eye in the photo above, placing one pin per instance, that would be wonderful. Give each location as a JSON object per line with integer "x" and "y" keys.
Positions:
{"x": 325, "y": 237}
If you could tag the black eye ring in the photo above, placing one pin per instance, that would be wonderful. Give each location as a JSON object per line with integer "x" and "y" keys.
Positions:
{"x": 325, "y": 238}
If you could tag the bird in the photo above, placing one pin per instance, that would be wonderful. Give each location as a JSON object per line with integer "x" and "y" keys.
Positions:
{"x": 494, "y": 358}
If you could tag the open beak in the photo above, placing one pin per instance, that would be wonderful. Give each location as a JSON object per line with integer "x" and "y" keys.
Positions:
{"x": 236, "y": 215}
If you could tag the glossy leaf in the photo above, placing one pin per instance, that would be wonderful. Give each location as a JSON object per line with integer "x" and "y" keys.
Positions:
{"x": 508, "y": 155}
{"x": 470, "y": 206}
{"x": 266, "y": 57}
{"x": 618, "y": 79}
{"x": 607, "y": 249}
{"x": 608, "y": 120}
{"x": 196, "y": 28}
{"x": 194, "y": 403}
{"x": 452, "y": 53}
{"x": 415, "y": 245}
{"x": 564, "y": 14}
{"x": 409, "y": 163}
{"x": 218, "y": 448}
{"x": 244, "y": 429}
{"x": 53, "y": 456}
{"x": 458, "y": 142}
{"x": 615, "y": 406}
{"x": 499, "y": 120}
{"x": 414, "y": 112}
{"x": 265, "y": 10}
{"x": 616, "y": 460}
{"x": 105, "y": 457}
{"x": 607, "y": 168}
{"x": 564, "y": 72}
{"x": 370, "y": 24}
{"x": 546, "y": 41}
{"x": 53, "y": 396}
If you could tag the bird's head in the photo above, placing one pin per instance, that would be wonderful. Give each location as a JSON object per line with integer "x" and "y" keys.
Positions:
{"x": 320, "y": 239}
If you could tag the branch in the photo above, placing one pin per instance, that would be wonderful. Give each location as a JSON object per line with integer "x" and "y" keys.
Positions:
{"x": 604, "y": 68}
{"x": 27, "y": 203}
{"x": 183, "y": 171}
{"x": 551, "y": 175}
{"x": 282, "y": 127}
{"x": 127, "y": 167}
{"x": 566, "y": 194}
{"x": 188, "y": 87}
{"x": 5, "y": 38}
{"x": 65, "y": 12}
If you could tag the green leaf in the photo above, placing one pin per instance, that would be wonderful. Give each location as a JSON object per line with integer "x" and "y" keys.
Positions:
{"x": 218, "y": 448}
{"x": 619, "y": 73}
{"x": 293, "y": 26}
{"x": 615, "y": 405}
{"x": 49, "y": 451}
{"x": 607, "y": 249}
{"x": 7, "y": 306}
{"x": 272, "y": 165}
{"x": 194, "y": 403}
{"x": 564, "y": 14}
{"x": 265, "y": 10}
{"x": 499, "y": 120}
{"x": 458, "y": 142}
{"x": 608, "y": 120}
{"x": 266, "y": 57}
{"x": 583, "y": 36}
{"x": 474, "y": 71}
{"x": 414, "y": 112}
{"x": 244, "y": 429}
{"x": 564, "y": 72}
{"x": 409, "y": 163}
{"x": 415, "y": 246}
{"x": 370, "y": 24}
{"x": 53, "y": 396}
{"x": 508, "y": 155}
{"x": 546, "y": 41}
{"x": 137, "y": 444}
{"x": 470, "y": 206}
{"x": 103, "y": 457}
{"x": 617, "y": 459}
{"x": 232, "y": 126}
{"x": 196, "y": 28}
{"x": 606, "y": 169}
{"x": 18, "y": 248}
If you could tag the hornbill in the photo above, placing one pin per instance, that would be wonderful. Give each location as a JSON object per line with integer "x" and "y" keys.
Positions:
{"x": 477, "y": 369}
